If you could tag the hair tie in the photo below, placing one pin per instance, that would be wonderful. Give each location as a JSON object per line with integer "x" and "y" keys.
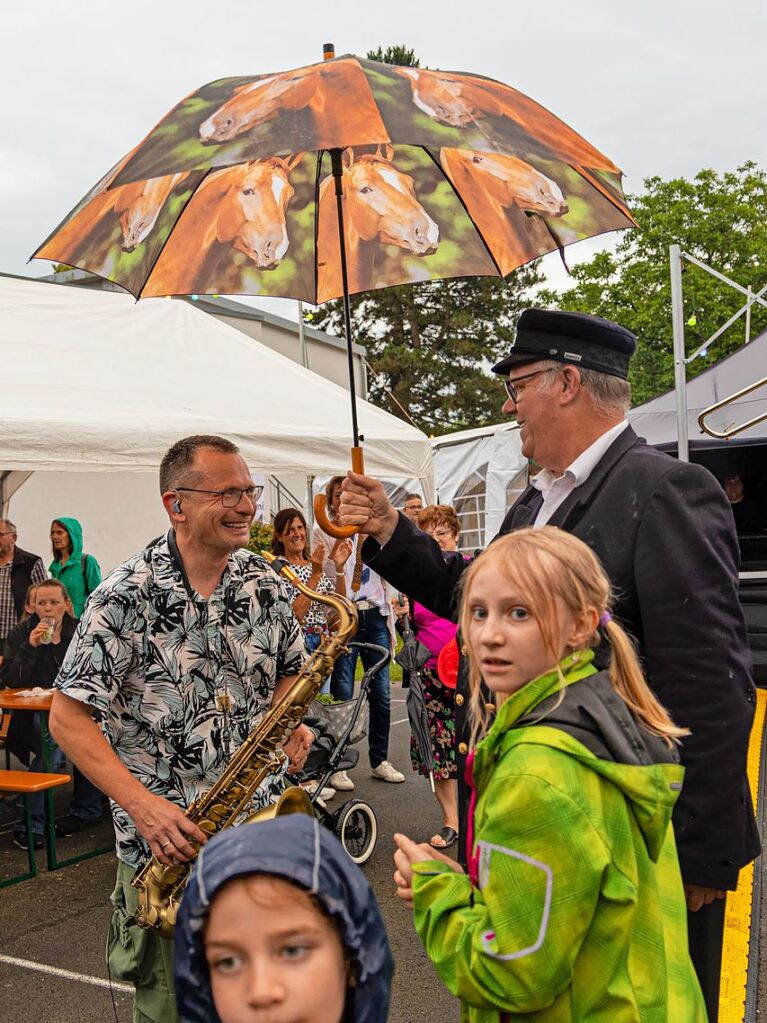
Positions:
{"x": 604, "y": 618}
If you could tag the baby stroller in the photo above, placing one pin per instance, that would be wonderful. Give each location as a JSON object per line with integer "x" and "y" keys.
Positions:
{"x": 339, "y": 725}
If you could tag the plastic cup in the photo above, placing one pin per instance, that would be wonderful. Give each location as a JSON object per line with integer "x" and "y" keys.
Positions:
{"x": 50, "y": 629}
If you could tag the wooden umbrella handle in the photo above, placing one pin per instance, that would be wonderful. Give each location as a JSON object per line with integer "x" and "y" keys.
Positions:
{"x": 320, "y": 505}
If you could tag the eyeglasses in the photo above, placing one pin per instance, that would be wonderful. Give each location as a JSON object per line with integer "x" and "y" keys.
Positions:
{"x": 230, "y": 497}
{"x": 511, "y": 385}
{"x": 7, "y": 532}
{"x": 439, "y": 534}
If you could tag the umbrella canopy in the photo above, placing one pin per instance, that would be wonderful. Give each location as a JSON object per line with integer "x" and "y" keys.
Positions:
{"x": 445, "y": 174}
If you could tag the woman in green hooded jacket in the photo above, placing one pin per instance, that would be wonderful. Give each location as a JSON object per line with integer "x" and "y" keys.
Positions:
{"x": 80, "y": 573}
{"x": 573, "y": 909}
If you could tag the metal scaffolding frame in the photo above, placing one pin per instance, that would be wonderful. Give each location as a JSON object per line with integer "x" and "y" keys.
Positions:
{"x": 681, "y": 360}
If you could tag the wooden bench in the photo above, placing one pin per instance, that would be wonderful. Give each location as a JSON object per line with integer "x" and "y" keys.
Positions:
{"x": 28, "y": 783}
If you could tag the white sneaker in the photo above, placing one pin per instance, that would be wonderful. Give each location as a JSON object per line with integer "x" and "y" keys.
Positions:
{"x": 385, "y": 772}
{"x": 325, "y": 794}
{"x": 341, "y": 782}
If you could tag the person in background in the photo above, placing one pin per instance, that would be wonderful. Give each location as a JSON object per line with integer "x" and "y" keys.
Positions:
{"x": 372, "y": 601}
{"x": 441, "y": 523}
{"x": 412, "y": 506}
{"x": 18, "y": 571}
{"x": 746, "y": 512}
{"x": 29, "y": 602}
{"x": 34, "y": 652}
{"x": 289, "y": 540}
{"x": 277, "y": 923}
{"x": 80, "y": 573}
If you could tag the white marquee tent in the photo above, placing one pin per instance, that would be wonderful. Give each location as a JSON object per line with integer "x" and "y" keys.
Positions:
{"x": 94, "y": 383}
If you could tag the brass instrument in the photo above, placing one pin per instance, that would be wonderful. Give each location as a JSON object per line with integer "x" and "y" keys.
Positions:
{"x": 732, "y": 431}
{"x": 226, "y": 803}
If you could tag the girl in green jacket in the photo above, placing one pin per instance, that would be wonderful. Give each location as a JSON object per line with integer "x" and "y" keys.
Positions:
{"x": 573, "y": 907}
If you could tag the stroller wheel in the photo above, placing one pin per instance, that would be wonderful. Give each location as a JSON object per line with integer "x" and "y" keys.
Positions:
{"x": 356, "y": 827}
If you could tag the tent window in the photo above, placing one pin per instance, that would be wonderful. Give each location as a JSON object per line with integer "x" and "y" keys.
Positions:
{"x": 469, "y": 504}
{"x": 516, "y": 485}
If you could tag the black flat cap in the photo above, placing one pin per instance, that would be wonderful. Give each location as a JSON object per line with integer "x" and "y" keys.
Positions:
{"x": 576, "y": 338}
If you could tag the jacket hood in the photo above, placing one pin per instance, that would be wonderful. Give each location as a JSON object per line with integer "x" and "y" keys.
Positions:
{"x": 587, "y": 720}
{"x": 75, "y": 531}
{"x": 298, "y": 849}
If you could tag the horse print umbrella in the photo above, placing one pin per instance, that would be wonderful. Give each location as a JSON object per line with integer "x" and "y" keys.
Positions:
{"x": 442, "y": 175}
{"x": 339, "y": 178}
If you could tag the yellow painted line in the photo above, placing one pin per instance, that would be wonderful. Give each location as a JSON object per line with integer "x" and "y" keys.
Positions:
{"x": 737, "y": 918}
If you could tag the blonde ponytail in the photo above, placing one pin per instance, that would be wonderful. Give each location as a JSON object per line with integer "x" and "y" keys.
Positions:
{"x": 629, "y": 683}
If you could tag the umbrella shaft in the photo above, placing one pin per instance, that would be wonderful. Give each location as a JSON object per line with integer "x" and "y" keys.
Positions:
{"x": 338, "y": 171}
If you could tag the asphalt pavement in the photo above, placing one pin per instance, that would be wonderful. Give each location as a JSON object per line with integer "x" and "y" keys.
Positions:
{"x": 58, "y": 921}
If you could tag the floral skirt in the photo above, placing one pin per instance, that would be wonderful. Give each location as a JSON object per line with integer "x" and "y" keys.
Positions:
{"x": 440, "y": 712}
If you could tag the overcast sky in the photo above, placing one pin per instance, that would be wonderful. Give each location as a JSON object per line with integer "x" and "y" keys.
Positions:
{"x": 661, "y": 86}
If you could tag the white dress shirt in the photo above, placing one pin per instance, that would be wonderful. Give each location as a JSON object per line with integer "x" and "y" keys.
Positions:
{"x": 556, "y": 488}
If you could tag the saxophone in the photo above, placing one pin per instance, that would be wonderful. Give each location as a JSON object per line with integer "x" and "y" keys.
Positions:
{"x": 161, "y": 887}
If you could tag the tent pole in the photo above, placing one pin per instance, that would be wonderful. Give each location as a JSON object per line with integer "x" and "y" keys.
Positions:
{"x": 680, "y": 369}
{"x": 302, "y": 337}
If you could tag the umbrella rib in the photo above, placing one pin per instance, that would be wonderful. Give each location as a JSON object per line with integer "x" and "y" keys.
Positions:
{"x": 320, "y": 154}
{"x": 162, "y": 247}
{"x": 458, "y": 196}
{"x": 597, "y": 184}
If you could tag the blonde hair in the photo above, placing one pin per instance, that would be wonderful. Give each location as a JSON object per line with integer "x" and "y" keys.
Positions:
{"x": 543, "y": 565}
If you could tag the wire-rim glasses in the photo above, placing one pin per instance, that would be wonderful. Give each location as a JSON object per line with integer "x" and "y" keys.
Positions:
{"x": 511, "y": 385}
{"x": 230, "y": 497}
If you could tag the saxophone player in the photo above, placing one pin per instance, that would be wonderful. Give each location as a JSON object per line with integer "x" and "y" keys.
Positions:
{"x": 179, "y": 653}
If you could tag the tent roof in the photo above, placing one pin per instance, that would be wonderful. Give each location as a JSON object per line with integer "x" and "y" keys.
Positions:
{"x": 461, "y": 436}
{"x": 656, "y": 419}
{"x": 95, "y": 381}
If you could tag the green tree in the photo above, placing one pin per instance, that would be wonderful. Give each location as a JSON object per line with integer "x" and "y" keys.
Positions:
{"x": 430, "y": 345}
{"x": 720, "y": 219}
{"x": 401, "y": 55}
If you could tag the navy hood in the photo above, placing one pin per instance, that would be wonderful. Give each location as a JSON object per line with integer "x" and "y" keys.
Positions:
{"x": 299, "y": 849}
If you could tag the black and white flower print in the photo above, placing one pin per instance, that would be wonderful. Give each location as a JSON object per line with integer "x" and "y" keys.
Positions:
{"x": 158, "y": 663}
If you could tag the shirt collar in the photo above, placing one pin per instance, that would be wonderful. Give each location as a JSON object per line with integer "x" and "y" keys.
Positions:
{"x": 582, "y": 467}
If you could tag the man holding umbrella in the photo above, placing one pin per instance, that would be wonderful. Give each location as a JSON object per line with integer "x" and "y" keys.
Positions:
{"x": 665, "y": 535}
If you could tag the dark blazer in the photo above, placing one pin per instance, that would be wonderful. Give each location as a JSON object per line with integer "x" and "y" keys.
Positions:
{"x": 665, "y": 534}
{"x": 21, "y": 577}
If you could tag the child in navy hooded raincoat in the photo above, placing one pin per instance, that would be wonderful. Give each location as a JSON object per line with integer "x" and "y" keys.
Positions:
{"x": 298, "y": 850}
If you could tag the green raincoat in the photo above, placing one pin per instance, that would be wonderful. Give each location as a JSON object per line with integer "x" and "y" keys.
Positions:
{"x": 79, "y": 575}
{"x": 573, "y": 909}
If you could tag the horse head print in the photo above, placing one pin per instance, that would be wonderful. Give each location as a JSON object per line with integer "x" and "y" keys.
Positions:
{"x": 139, "y": 206}
{"x": 509, "y": 180}
{"x": 440, "y": 97}
{"x": 381, "y": 203}
{"x": 256, "y": 218}
{"x": 509, "y": 200}
{"x": 380, "y": 208}
{"x": 257, "y": 102}
{"x": 87, "y": 237}
{"x": 242, "y": 208}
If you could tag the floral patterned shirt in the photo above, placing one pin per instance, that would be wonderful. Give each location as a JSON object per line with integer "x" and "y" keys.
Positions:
{"x": 179, "y": 682}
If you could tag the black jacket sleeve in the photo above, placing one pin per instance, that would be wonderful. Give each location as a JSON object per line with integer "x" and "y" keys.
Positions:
{"x": 686, "y": 571}
{"x": 415, "y": 564}
{"x": 19, "y": 659}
